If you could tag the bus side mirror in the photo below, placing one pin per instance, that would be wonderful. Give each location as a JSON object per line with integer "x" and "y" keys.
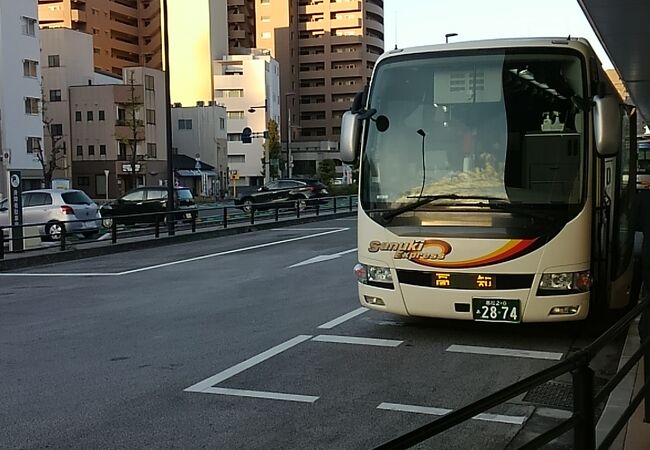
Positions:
{"x": 607, "y": 125}
{"x": 349, "y": 141}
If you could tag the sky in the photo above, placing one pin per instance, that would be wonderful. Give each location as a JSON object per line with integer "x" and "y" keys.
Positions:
{"x": 424, "y": 22}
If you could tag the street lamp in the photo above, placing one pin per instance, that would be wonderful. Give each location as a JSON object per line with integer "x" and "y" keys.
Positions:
{"x": 448, "y": 35}
{"x": 267, "y": 163}
{"x": 168, "y": 119}
{"x": 286, "y": 104}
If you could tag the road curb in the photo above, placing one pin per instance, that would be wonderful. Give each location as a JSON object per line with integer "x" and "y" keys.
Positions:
{"x": 82, "y": 253}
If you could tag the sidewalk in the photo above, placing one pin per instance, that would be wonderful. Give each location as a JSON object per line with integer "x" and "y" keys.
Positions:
{"x": 637, "y": 436}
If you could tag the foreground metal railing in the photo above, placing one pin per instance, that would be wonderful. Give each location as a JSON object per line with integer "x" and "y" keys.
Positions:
{"x": 117, "y": 227}
{"x": 582, "y": 421}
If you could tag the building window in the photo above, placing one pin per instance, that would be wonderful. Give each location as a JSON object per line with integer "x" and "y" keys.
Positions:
{"x": 55, "y": 95}
{"x": 89, "y": 116}
{"x": 83, "y": 181}
{"x": 185, "y": 124}
{"x": 28, "y": 26}
{"x": 102, "y": 150}
{"x": 54, "y": 61}
{"x": 31, "y": 105}
{"x": 151, "y": 116}
{"x": 235, "y": 114}
{"x": 121, "y": 152}
{"x": 152, "y": 151}
{"x": 56, "y": 129}
{"x": 91, "y": 150}
{"x": 30, "y": 68}
{"x": 33, "y": 144}
{"x": 222, "y": 123}
{"x": 266, "y": 35}
{"x": 102, "y": 115}
{"x": 265, "y": 18}
{"x": 77, "y": 116}
{"x": 236, "y": 158}
{"x": 229, "y": 93}
{"x": 149, "y": 82}
{"x": 233, "y": 137}
{"x": 80, "y": 150}
{"x": 265, "y": 2}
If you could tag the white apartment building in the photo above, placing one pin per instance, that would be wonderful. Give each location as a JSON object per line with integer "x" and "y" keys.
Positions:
{"x": 21, "y": 129}
{"x": 199, "y": 132}
{"x": 66, "y": 61}
{"x": 249, "y": 87}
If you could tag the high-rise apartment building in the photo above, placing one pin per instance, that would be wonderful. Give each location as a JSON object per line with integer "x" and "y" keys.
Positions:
{"x": 241, "y": 25}
{"x": 125, "y": 32}
{"x": 326, "y": 50}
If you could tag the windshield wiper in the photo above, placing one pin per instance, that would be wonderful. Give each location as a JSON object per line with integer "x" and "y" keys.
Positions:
{"x": 426, "y": 199}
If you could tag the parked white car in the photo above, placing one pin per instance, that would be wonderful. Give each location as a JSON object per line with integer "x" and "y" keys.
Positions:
{"x": 55, "y": 211}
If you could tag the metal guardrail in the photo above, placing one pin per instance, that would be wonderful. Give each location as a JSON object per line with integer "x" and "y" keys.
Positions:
{"x": 582, "y": 421}
{"x": 223, "y": 217}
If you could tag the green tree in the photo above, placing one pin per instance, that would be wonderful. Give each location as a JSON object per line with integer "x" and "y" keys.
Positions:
{"x": 327, "y": 171}
{"x": 273, "y": 149}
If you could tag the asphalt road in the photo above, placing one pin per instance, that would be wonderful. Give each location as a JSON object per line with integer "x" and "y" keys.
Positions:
{"x": 221, "y": 344}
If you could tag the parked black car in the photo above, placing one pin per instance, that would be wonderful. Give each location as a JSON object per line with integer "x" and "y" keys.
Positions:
{"x": 149, "y": 200}
{"x": 288, "y": 193}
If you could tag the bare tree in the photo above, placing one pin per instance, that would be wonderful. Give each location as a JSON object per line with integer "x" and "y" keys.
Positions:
{"x": 135, "y": 126}
{"x": 52, "y": 158}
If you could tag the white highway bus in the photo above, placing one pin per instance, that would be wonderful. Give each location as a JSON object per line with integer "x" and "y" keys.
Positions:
{"x": 497, "y": 182}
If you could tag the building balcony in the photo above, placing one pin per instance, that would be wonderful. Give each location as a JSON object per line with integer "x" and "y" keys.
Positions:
{"x": 317, "y": 25}
{"x": 347, "y": 88}
{"x": 316, "y": 90}
{"x": 125, "y": 133}
{"x": 374, "y": 41}
{"x": 311, "y": 9}
{"x": 371, "y": 7}
{"x": 345, "y": 23}
{"x": 304, "y": 59}
{"x": 314, "y": 73}
{"x": 345, "y": 6}
{"x": 344, "y": 56}
{"x": 237, "y": 34}
{"x": 77, "y": 15}
{"x": 238, "y": 18}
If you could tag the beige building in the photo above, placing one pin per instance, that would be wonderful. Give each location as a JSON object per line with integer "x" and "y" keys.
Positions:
{"x": 326, "y": 51}
{"x": 197, "y": 35}
{"x": 241, "y": 25}
{"x": 125, "y": 32}
{"x": 102, "y": 133}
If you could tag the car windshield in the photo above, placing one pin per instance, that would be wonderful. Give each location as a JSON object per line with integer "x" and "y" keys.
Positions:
{"x": 184, "y": 194}
{"x": 505, "y": 125}
{"x": 76, "y": 198}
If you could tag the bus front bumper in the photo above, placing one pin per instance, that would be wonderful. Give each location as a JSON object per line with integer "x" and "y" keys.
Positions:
{"x": 457, "y": 303}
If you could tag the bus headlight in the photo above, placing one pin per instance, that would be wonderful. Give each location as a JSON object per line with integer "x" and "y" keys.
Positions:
{"x": 564, "y": 283}
{"x": 374, "y": 275}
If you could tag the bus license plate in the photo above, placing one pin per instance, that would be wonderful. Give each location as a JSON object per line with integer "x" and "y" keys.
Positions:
{"x": 496, "y": 310}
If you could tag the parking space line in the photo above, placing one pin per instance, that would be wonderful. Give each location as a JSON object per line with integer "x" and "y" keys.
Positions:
{"x": 499, "y": 418}
{"x": 261, "y": 394}
{"x": 504, "y": 352}
{"x": 357, "y": 341}
{"x": 306, "y": 229}
{"x": 344, "y": 318}
{"x": 201, "y": 386}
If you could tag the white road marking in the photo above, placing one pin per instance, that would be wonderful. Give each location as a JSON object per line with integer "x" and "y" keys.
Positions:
{"x": 351, "y": 219}
{"x": 306, "y": 229}
{"x": 201, "y": 386}
{"x": 322, "y": 258}
{"x": 69, "y": 275}
{"x": 261, "y": 394}
{"x": 357, "y": 340}
{"x": 183, "y": 261}
{"x": 504, "y": 352}
{"x": 500, "y": 418}
{"x": 344, "y": 318}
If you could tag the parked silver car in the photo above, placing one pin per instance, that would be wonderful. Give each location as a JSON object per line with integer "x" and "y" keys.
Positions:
{"x": 55, "y": 210}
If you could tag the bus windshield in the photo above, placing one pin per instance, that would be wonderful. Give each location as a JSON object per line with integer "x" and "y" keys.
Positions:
{"x": 505, "y": 126}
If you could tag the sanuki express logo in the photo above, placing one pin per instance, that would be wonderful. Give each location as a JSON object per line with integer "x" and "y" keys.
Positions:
{"x": 432, "y": 249}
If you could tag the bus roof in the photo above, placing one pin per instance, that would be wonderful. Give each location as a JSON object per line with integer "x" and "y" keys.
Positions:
{"x": 580, "y": 44}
